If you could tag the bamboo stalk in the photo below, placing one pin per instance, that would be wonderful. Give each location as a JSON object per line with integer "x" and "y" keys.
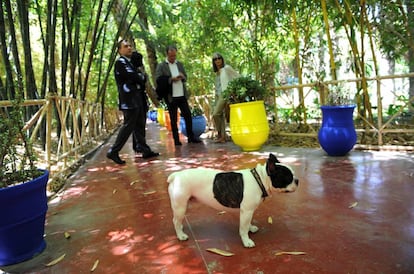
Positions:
{"x": 298, "y": 63}
{"x": 328, "y": 38}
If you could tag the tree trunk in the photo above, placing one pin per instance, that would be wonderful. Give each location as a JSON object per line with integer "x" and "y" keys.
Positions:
{"x": 8, "y": 91}
{"x": 151, "y": 54}
{"x": 410, "y": 16}
{"x": 328, "y": 38}
{"x": 30, "y": 81}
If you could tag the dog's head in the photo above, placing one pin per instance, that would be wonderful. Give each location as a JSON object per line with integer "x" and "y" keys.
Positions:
{"x": 282, "y": 176}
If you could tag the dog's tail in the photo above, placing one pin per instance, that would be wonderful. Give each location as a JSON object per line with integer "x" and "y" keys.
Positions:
{"x": 171, "y": 177}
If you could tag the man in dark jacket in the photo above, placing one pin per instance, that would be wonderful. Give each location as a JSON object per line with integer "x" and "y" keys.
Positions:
{"x": 137, "y": 62}
{"x": 171, "y": 78}
{"x": 132, "y": 103}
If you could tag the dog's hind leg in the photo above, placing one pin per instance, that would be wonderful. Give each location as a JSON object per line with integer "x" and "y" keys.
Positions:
{"x": 178, "y": 224}
{"x": 253, "y": 228}
{"x": 179, "y": 206}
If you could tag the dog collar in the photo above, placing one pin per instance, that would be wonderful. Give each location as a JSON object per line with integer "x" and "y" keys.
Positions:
{"x": 259, "y": 182}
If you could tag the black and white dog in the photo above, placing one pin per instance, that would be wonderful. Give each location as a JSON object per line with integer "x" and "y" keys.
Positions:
{"x": 241, "y": 190}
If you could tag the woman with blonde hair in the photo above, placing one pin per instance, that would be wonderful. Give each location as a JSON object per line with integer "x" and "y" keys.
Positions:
{"x": 224, "y": 74}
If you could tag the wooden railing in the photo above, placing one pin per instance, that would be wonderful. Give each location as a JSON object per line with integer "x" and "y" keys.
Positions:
{"x": 306, "y": 112}
{"x": 382, "y": 94}
{"x": 72, "y": 128}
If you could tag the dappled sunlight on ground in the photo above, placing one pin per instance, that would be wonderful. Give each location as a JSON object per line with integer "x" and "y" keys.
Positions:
{"x": 72, "y": 192}
{"x": 121, "y": 215}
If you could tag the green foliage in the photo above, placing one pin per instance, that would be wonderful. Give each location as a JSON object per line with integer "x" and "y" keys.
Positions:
{"x": 196, "y": 111}
{"x": 16, "y": 152}
{"x": 390, "y": 22}
{"x": 337, "y": 96}
{"x": 288, "y": 114}
{"x": 244, "y": 89}
{"x": 400, "y": 106}
{"x": 272, "y": 40}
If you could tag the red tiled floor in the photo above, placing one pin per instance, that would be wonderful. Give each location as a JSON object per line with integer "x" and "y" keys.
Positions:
{"x": 121, "y": 216}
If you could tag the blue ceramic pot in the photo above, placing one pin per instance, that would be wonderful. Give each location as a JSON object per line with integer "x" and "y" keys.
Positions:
{"x": 199, "y": 125}
{"x": 152, "y": 115}
{"x": 22, "y": 220}
{"x": 337, "y": 135}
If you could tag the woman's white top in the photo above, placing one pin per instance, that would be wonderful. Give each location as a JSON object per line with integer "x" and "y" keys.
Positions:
{"x": 226, "y": 74}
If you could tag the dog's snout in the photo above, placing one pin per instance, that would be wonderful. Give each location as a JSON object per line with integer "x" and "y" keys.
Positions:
{"x": 292, "y": 187}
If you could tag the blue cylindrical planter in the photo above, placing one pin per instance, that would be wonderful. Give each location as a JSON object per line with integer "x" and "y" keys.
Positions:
{"x": 22, "y": 220}
{"x": 337, "y": 136}
{"x": 199, "y": 125}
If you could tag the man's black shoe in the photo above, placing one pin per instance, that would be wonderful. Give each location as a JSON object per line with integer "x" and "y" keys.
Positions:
{"x": 177, "y": 143}
{"x": 138, "y": 150}
{"x": 150, "y": 154}
{"x": 115, "y": 157}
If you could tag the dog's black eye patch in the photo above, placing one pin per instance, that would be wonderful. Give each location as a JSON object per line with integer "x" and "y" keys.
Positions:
{"x": 281, "y": 176}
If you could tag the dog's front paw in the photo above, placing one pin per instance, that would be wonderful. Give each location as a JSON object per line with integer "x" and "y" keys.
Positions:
{"x": 182, "y": 236}
{"x": 248, "y": 243}
{"x": 253, "y": 228}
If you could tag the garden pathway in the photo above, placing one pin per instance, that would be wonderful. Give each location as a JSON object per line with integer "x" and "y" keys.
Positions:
{"x": 352, "y": 214}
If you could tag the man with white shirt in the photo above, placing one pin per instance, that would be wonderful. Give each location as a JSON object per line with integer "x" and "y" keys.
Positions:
{"x": 171, "y": 79}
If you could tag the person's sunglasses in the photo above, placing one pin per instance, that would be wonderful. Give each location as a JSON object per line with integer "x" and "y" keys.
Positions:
{"x": 216, "y": 58}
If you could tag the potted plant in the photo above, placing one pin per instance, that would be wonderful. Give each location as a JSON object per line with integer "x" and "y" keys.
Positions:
{"x": 249, "y": 127}
{"x": 337, "y": 135}
{"x": 23, "y": 199}
{"x": 244, "y": 89}
{"x": 199, "y": 122}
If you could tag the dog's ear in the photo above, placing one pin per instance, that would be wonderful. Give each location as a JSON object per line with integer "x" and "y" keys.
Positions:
{"x": 271, "y": 164}
{"x": 273, "y": 158}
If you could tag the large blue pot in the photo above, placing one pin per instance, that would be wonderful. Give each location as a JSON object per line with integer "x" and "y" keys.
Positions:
{"x": 22, "y": 220}
{"x": 199, "y": 125}
{"x": 337, "y": 136}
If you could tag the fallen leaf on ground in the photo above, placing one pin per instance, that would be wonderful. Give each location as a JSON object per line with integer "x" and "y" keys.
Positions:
{"x": 95, "y": 265}
{"x": 67, "y": 235}
{"x": 353, "y": 205}
{"x": 270, "y": 220}
{"x": 133, "y": 182}
{"x": 55, "y": 261}
{"x": 220, "y": 252}
{"x": 290, "y": 253}
{"x": 114, "y": 191}
{"x": 149, "y": 192}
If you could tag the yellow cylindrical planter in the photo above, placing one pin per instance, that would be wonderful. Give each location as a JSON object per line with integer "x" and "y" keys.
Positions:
{"x": 160, "y": 116}
{"x": 249, "y": 127}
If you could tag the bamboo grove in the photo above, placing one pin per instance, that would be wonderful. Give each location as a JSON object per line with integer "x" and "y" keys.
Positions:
{"x": 68, "y": 47}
